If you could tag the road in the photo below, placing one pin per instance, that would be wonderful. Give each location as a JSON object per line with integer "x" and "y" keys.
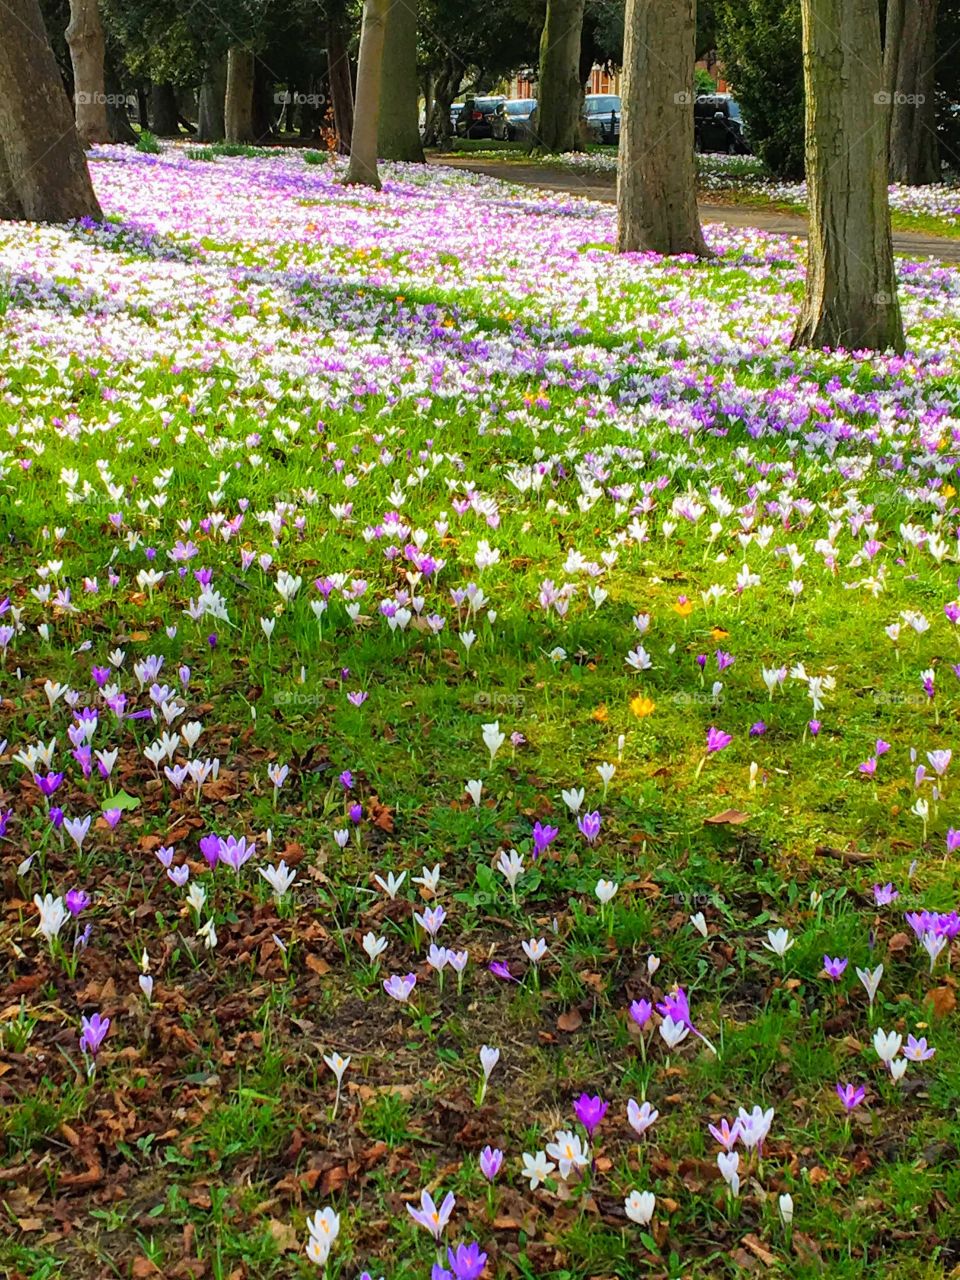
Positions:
{"x": 602, "y": 186}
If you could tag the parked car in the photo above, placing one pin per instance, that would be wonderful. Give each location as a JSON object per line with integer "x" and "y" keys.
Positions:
{"x": 718, "y": 124}
{"x": 512, "y": 119}
{"x": 601, "y": 118}
{"x": 476, "y": 118}
{"x": 455, "y": 109}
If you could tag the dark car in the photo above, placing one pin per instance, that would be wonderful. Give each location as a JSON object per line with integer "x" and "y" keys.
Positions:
{"x": 476, "y": 118}
{"x": 601, "y": 118}
{"x": 456, "y": 110}
{"x": 512, "y": 120}
{"x": 718, "y": 124}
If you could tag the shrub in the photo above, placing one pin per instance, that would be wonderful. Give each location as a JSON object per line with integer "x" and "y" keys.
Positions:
{"x": 760, "y": 46}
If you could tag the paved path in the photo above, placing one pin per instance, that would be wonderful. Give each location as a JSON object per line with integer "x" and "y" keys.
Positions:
{"x": 602, "y": 186}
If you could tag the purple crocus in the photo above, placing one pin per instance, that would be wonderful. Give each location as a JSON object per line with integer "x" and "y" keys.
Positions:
{"x": 48, "y": 784}
{"x": 210, "y": 848}
{"x": 953, "y": 840}
{"x": 357, "y": 697}
{"x": 590, "y": 1111}
{"x": 758, "y": 730}
{"x": 500, "y": 969}
{"x": 813, "y": 727}
{"x": 589, "y": 825}
{"x": 76, "y": 901}
{"x": 884, "y": 894}
{"x": 235, "y": 852}
{"x": 93, "y": 1031}
{"x": 717, "y": 739}
{"x": 542, "y": 838}
{"x": 834, "y": 967}
{"x": 467, "y": 1263}
{"x": 851, "y": 1097}
{"x": 400, "y": 987}
{"x": 429, "y": 1216}
{"x": 491, "y": 1160}
{"x": 641, "y": 1012}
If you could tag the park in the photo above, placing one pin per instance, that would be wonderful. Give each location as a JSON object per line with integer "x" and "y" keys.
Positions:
{"x": 479, "y": 639}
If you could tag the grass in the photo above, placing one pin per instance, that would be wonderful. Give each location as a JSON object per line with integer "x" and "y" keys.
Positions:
{"x": 446, "y": 374}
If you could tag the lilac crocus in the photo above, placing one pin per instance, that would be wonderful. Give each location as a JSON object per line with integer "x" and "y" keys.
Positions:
{"x": 590, "y": 1111}
{"x": 758, "y": 730}
{"x": 726, "y": 1135}
{"x": 834, "y": 967}
{"x": 589, "y": 825}
{"x": 918, "y": 1050}
{"x": 491, "y": 1160}
{"x": 500, "y": 969}
{"x": 850, "y": 1097}
{"x": 884, "y": 894}
{"x": 429, "y": 1216}
{"x": 953, "y": 840}
{"x": 641, "y": 1012}
{"x": 236, "y": 852}
{"x": 210, "y": 848}
{"x": 357, "y": 697}
{"x": 400, "y": 987}
{"x": 93, "y": 1031}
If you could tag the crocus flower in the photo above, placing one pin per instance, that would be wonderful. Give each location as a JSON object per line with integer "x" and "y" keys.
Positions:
{"x": 542, "y": 837}
{"x": 400, "y": 987}
{"x": 717, "y": 739}
{"x": 917, "y": 1050}
{"x": 569, "y": 1152}
{"x": 884, "y": 894}
{"x": 93, "y": 1031}
{"x": 429, "y": 1216}
{"x": 639, "y": 1206}
{"x": 641, "y": 1117}
{"x": 589, "y": 825}
{"x": 590, "y": 1111}
{"x": 491, "y": 1159}
{"x": 834, "y": 968}
{"x": 727, "y": 1135}
{"x": 537, "y": 1168}
{"x": 467, "y": 1263}
{"x": 641, "y": 1012}
{"x": 76, "y": 901}
{"x": 53, "y": 913}
{"x": 235, "y": 852}
{"x": 851, "y": 1097}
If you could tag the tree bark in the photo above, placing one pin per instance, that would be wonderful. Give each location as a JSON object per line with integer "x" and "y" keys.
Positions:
{"x": 657, "y": 184}
{"x": 399, "y": 128}
{"x": 43, "y": 173}
{"x": 211, "y": 125}
{"x": 561, "y": 93}
{"x": 118, "y": 120}
{"x": 85, "y": 41}
{"x": 163, "y": 111}
{"x": 445, "y": 86}
{"x": 851, "y": 294}
{"x": 341, "y": 81}
{"x": 914, "y": 148}
{"x": 362, "y": 169}
{"x": 238, "y": 102}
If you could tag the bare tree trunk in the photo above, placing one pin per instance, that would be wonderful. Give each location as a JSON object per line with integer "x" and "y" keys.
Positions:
{"x": 851, "y": 295}
{"x": 399, "y": 125}
{"x": 341, "y": 81}
{"x": 118, "y": 121}
{"x": 439, "y": 129}
{"x": 43, "y": 173}
{"x": 163, "y": 111}
{"x": 561, "y": 93}
{"x": 657, "y": 184}
{"x": 211, "y": 125}
{"x": 11, "y": 210}
{"x": 914, "y": 148}
{"x": 85, "y": 40}
{"x": 238, "y": 104}
{"x": 362, "y": 169}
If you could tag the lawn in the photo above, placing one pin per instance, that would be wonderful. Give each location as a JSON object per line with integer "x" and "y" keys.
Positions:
{"x": 585, "y": 653}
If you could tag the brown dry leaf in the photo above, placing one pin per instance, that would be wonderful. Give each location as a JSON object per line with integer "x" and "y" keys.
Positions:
{"x": 317, "y": 965}
{"x": 143, "y": 1267}
{"x": 728, "y": 818}
{"x": 899, "y": 942}
{"x": 818, "y": 1176}
{"x": 30, "y": 1224}
{"x": 570, "y": 1021}
{"x": 284, "y": 1235}
{"x": 943, "y": 1000}
{"x": 760, "y": 1251}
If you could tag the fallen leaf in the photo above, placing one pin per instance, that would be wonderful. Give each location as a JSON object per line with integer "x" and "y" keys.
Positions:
{"x": 570, "y": 1021}
{"x": 728, "y": 818}
{"x": 317, "y": 965}
{"x": 284, "y": 1235}
{"x": 943, "y": 1000}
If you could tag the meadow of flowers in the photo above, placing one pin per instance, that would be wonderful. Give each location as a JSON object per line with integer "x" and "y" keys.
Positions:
{"x": 476, "y": 791}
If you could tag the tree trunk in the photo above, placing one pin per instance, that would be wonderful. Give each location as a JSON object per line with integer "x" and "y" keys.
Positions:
{"x": 445, "y": 86}
{"x": 657, "y": 184}
{"x": 399, "y": 131}
{"x": 914, "y": 150}
{"x": 362, "y": 169}
{"x": 561, "y": 93}
{"x": 43, "y": 173}
{"x": 118, "y": 119}
{"x": 163, "y": 111}
{"x": 341, "y": 81}
{"x": 851, "y": 295}
{"x": 238, "y": 102}
{"x": 211, "y": 126}
{"x": 85, "y": 40}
